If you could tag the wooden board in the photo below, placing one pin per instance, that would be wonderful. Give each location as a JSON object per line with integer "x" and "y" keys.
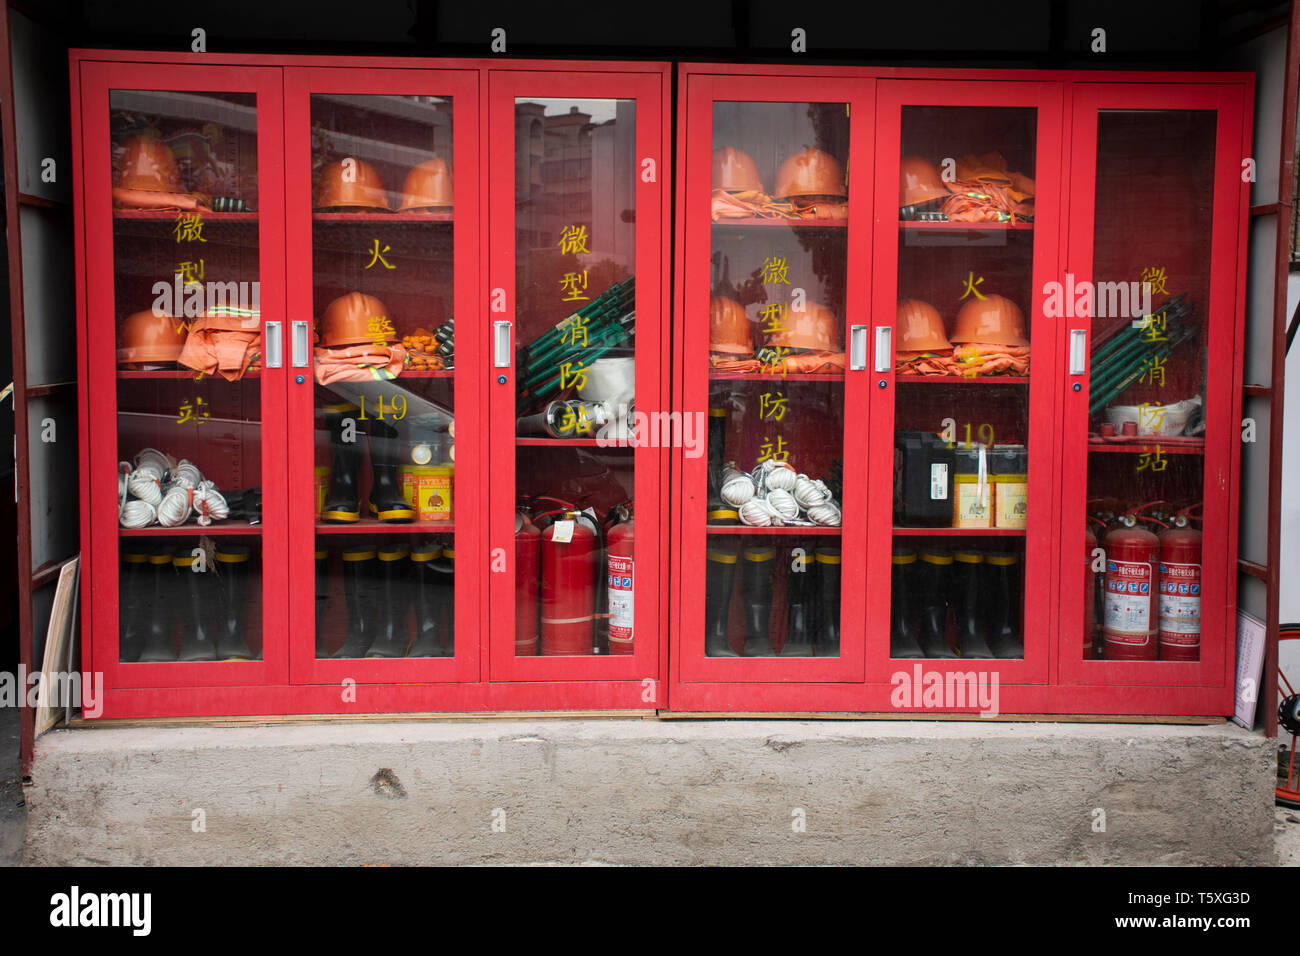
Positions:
{"x": 58, "y": 643}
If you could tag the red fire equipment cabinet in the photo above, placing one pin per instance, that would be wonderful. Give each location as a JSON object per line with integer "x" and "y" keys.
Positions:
{"x": 968, "y": 385}
{"x": 366, "y": 351}
{"x": 383, "y": 409}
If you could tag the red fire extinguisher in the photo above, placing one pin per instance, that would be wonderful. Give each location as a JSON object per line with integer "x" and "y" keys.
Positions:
{"x": 1129, "y": 624}
{"x": 619, "y": 580}
{"x": 570, "y": 550}
{"x": 1180, "y": 590}
{"x": 528, "y": 579}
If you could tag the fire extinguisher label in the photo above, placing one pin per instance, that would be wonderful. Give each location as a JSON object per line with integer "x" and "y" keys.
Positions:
{"x": 620, "y": 597}
{"x": 1128, "y": 599}
{"x": 1180, "y": 598}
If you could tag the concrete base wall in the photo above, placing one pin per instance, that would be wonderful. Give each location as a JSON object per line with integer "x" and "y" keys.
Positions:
{"x": 646, "y": 791}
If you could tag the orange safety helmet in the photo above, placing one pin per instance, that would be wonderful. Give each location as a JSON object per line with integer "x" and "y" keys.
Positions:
{"x": 992, "y": 319}
{"x": 427, "y": 186}
{"x": 735, "y": 171}
{"x": 353, "y": 319}
{"x": 918, "y": 182}
{"x": 815, "y": 329}
{"x": 920, "y": 328}
{"x": 729, "y": 328}
{"x": 810, "y": 172}
{"x": 145, "y": 338}
{"x": 147, "y": 163}
{"x": 364, "y": 191}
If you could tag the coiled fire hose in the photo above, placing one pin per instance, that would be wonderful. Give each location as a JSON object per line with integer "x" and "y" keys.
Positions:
{"x": 165, "y": 491}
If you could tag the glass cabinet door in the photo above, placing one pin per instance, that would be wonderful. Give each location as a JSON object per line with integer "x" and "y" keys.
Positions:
{"x": 777, "y": 214}
{"x": 963, "y": 353}
{"x": 1145, "y": 553}
{"x": 384, "y": 184}
{"x": 184, "y": 303}
{"x": 577, "y": 390}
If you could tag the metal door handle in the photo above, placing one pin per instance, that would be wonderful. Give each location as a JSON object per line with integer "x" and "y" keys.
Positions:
{"x": 1078, "y": 351}
{"x": 501, "y": 344}
{"x": 300, "y": 339}
{"x": 884, "y": 348}
{"x": 274, "y": 354}
{"x": 858, "y": 348}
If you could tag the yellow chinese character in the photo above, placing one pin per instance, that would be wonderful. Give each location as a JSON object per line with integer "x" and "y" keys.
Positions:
{"x": 778, "y": 452}
{"x": 1150, "y": 417}
{"x": 1157, "y": 279}
{"x": 187, "y": 412}
{"x": 192, "y": 272}
{"x": 1154, "y": 328}
{"x": 573, "y": 239}
{"x": 578, "y": 422}
{"x": 774, "y": 359}
{"x": 571, "y": 375}
{"x": 189, "y": 227}
{"x": 576, "y": 328}
{"x": 1155, "y": 368}
{"x": 775, "y": 270}
{"x": 574, "y": 284}
{"x": 1156, "y": 460}
{"x": 971, "y": 283}
{"x": 771, "y": 407}
{"x": 379, "y": 325}
{"x": 377, "y": 255}
{"x": 774, "y": 318}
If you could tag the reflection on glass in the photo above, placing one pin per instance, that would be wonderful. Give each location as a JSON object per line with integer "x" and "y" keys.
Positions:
{"x": 190, "y": 599}
{"x": 1146, "y": 443}
{"x": 386, "y": 599}
{"x": 188, "y": 395}
{"x": 384, "y": 359}
{"x": 575, "y": 336}
{"x": 962, "y": 361}
{"x": 779, "y": 208}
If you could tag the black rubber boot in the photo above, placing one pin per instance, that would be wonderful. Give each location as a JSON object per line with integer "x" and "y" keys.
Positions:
{"x": 196, "y": 607}
{"x": 1003, "y": 592}
{"x": 827, "y": 631}
{"x": 933, "y": 571}
{"x": 757, "y": 595}
{"x": 719, "y": 582}
{"x": 341, "y": 500}
{"x": 444, "y": 567}
{"x": 717, "y": 439}
{"x": 426, "y": 591}
{"x": 235, "y": 568}
{"x": 903, "y": 644}
{"x": 159, "y": 609}
{"x": 134, "y": 588}
{"x": 391, "y": 634}
{"x": 358, "y": 565}
{"x": 322, "y": 597}
{"x": 386, "y": 501}
{"x": 800, "y": 609}
{"x": 968, "y": 604}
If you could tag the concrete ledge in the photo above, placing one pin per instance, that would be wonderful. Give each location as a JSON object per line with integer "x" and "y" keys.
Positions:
{"x": 637, "y": 791}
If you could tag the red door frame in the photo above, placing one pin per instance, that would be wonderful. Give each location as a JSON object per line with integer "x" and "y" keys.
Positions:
{"x": 99, "y": 438}
{"x": 1045, "y": 98}
{"x": 648, "y": 85}
{"x": 798, "y": 681}
{"x": 462, "y": 86}
{"x": 1143, "y": 681}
